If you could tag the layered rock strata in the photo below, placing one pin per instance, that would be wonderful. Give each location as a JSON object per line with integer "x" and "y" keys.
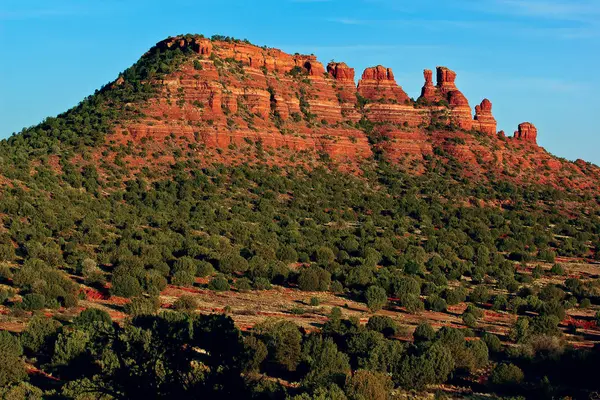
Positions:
{"x": 232, "y": 97}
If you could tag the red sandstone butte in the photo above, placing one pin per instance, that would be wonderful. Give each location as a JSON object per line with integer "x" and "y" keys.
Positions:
{"x": 485, "y": 121}
{"x": 341, "y": 72}
{"x": 429, "y": 91}
{"x": 527, "y": 132}
{"x": 378, "y": 84}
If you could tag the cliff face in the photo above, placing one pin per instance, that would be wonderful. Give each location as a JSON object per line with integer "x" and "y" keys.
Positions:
{"x": 232, "y": 95}
{"x": 236, "y": 93}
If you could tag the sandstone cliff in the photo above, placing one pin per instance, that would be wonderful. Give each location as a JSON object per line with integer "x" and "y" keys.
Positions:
{"x": 230, "y": 96}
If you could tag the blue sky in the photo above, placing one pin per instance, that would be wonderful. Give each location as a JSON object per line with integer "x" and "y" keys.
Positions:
{"x": 536, "y": 60}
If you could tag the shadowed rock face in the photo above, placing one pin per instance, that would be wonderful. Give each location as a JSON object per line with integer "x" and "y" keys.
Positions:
{"x": 229, "y": 94}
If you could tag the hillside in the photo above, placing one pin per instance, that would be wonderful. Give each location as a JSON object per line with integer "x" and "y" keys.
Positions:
{"x": 227, "y": 220}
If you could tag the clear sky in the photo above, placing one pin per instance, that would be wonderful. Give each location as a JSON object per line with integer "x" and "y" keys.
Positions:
{"x": 536, "y": 60}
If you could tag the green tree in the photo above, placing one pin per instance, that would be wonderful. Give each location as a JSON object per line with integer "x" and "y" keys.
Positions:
{"x": 506, "y": 375}
{"x": 183, "y": 278}
{"x": 324, "y": 256}
{"x": 185, "y": 303}
{"x": 480, "y": 295}
{"x": 368, "y": 385}
{"x": 90, "y": 316}
{"x": 493, "y": 342}
{"x": 383, "y": 324}
{"x": 23, "y": 390}
{"x": 219, "y": 284}
{"x": 442, "y": 362}
{"x": 259, "y": 353}
{"x": 40, "y": 333}
{"x": 376, "y": 298}
{"x": 283, "y": 340}
{"x": 12, "y": 367}
{"x": 172, "y": 355}
{"x": 314, "y": 279}
{"x": 325, "y": 363}
{"x": 126, "y": 286}
{"x": 69, "y": 345}
{"x": 424, "y": 333}
{"x": 233, "y": 263}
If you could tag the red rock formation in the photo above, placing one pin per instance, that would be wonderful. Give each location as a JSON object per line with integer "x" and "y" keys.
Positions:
{"x": 314, "y": 67}
{"x": 203, "y": 47}
{"x": 527, "y": 132}
{"x": 341, "y": 72}
{"x": 485, "y": 121}
{"x": 255, "y": 99}
{"x": 446, "y": 80}
{"x": 446, "y": 92}
{"x": 459, "y": 104}
{"x": 379, "y": 85}
{"x": 346, "y": 89}
{"x": 429, "y": 92}
{"x": 222, "y": 110}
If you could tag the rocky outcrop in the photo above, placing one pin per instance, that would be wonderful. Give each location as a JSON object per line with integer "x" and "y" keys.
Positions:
{"x": 444, "y": 91}
{"x": 234, "y": 90}
{"x": 379, "y": 85}
{"x": 446, "y": 80}
{"x": 341, "y": 72}
{"x": 446, "y": 85}
{"x": 345, "y": 87}
{"x": 385, "y": 101}
{"x": 232, "y": 102}
{"x": 429, "y": 92}
{"x": 446, "y": 94}
{"x": 485, "y": 121}
{"x": 527, "y": 132}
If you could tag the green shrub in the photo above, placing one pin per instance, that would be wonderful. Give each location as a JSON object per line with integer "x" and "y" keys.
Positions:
{"x": 436, "y": 303}
{"x": 557, "y": 269}
{"x": 383, "y": 324}
{"x": 126, "y": 286}
{"x": 314, "y": 279}
{"x": 185, "y": 303}
{"x": 243, "y": 284}
{"x": 183, "y": 278}
{"x": 376, "y": 298}
{"x": 89, "y": 316}
{"x": 424, "y": 333}
{"x": 219, "y": 284}
{"x": 142, "y": 306}
{"x": 204, "y": 268}
{"x": 493, "y": 342}
{"x": 262, "y": 284}
{"x": 12, "y": 367}
{"x": 506, "y": 375}
{"x": 33, "y": 301}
